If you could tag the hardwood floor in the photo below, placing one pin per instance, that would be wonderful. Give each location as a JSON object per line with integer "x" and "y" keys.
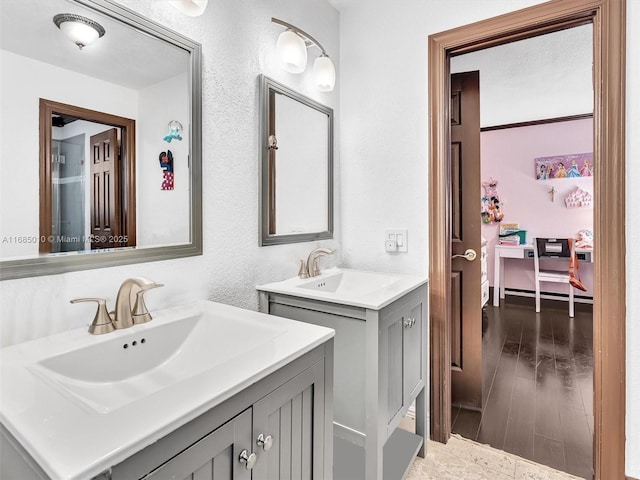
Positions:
{"x": 537, "y": 385}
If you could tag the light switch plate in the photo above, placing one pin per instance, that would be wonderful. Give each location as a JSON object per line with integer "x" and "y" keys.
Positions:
{"x": 399, "y": 236}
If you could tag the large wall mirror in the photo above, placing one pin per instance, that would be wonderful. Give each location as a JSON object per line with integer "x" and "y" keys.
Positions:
{"x": 296, "y": 167}
{"x": 101, "y": 145}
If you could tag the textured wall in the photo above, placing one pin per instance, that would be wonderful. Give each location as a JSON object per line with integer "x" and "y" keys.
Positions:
{"x": 238, "y": 42}
{"x": 541, "y": 77}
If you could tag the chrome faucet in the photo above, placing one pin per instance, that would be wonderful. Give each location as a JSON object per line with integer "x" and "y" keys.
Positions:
{"x": 310, "y": 268}
{"x": 125, "y": 315}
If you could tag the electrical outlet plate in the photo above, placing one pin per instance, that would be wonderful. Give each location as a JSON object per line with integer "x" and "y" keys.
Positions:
{"x": 399, "y": 235}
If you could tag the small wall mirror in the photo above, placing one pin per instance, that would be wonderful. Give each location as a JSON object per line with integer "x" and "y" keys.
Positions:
{"x": 101, "y": 147}
{"x": 296, "y": 143}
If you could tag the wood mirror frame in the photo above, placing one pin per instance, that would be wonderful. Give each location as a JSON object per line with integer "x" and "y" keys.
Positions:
{"x": 609, "y": 314}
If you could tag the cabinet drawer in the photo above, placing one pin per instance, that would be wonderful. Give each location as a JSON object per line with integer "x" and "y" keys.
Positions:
{"x": 511, "y": 252}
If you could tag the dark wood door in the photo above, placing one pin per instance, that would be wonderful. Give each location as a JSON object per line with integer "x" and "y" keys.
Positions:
{"x": 105, "y": 190}
{"x": 466, "y": 314}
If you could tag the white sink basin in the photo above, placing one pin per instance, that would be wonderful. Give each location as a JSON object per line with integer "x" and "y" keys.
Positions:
{"x": 359, "y": 288}
{"x": 110, "y": 374}
{"x": 80, "y": 403}
{"x": 351, "y": 282}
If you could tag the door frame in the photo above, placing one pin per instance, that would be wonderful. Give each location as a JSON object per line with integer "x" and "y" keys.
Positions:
{"x": 609, "y": 24}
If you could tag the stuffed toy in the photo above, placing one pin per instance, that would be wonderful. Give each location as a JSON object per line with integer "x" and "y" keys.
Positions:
{"x": 491, "y": 203}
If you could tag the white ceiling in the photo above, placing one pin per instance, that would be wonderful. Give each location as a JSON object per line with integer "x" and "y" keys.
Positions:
{"x": 123, "y": 56}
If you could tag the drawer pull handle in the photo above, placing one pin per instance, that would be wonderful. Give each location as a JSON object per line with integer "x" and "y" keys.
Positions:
{"x": 249, "y": 461}
{"x": 265, "y": 442}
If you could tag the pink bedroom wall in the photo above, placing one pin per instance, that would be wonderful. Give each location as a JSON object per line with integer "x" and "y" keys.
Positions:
{"x": 508, "y": 155}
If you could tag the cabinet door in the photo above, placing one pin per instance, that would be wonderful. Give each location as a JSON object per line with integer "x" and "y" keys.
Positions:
{"x": 215, "y": 457}
{"x": 289, "y": 429}
{"x": 394, "y": 335}
{"x": 414, "y": 364}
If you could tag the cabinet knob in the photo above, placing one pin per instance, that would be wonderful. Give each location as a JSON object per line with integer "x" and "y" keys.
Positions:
{"x": 409, "y": 322}
{"x": 265, "y": 442}
{"x": 249, "y": 460}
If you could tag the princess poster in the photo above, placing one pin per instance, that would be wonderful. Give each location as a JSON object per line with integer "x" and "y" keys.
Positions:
{"x": 564, "y": 166}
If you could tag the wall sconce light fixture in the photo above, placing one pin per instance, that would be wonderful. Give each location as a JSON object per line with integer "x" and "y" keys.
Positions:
{"x": 291, "y": 49}
{"x": 191, "y": 8}
{"x": 81, "y": 30}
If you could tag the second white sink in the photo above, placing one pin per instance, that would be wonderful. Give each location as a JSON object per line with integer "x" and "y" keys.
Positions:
{"x": 358, "y": 288}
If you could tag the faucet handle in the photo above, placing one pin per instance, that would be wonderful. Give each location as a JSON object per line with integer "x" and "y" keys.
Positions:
{"x": 139, "y": 312}
{"x": 102, "y": 321}
{"x": 302, "y": 271}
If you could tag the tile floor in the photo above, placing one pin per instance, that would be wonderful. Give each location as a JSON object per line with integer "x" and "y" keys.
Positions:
{"x": 463, "y": 459}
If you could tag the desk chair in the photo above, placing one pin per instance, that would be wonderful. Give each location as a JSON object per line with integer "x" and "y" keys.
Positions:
{"x": 552, "y": 248}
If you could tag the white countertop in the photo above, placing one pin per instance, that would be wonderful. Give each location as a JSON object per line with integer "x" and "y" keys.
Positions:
{"x": 71, "y": 441}
{"x": 358, "y": 288}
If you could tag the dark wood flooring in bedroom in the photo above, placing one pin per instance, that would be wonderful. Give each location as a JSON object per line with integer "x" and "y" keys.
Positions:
{"x": 537, "y": 385}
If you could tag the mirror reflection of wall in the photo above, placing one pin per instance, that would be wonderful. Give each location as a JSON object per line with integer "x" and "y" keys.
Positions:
{"x": 302, "y": 169}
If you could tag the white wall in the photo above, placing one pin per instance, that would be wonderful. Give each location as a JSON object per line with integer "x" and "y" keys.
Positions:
{"x": 534, "y": 79}
{"x": 162, "y": 215}
{"x": 238, "y": 42}
{"x": 384, "y": 143}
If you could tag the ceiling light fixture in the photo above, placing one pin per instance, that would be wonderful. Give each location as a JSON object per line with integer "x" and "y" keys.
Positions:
{"x": 81, "y": 30}
{"x": 291, "y": 49}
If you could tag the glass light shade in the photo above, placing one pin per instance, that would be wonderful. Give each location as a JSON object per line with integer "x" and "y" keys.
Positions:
{"x": 324, "y": 73}
{"x": 292, "y": 52}
{"x": 80, "y": 33}
{"x": 191, "y": 8}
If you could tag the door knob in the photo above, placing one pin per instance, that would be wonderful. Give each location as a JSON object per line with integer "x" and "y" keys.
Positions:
{"x": 469, "y": 255}
{"x": 249, "y": 461}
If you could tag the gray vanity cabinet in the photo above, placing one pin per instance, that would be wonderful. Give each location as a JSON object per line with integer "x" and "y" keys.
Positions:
{"x": 405, "y": 366}
{"x": 282, "y": 431}
{"x": 213, "y": 457}
{"x": 288, "y": 429}
{"x": 380, "y": 371}
{"x": 282, "y": 424}
{"x": 277, "y": 428}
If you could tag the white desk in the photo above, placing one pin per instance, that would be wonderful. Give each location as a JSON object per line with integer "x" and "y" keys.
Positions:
{"x": 524, "y": 252}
